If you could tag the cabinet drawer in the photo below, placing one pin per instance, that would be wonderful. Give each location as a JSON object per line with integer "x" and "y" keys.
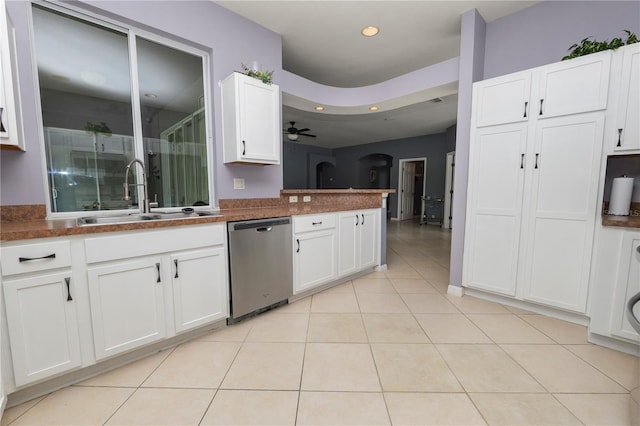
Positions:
{"x": 26, "y": 258}
{"x": 313, "y": 222}
{"x": 134, "y": 244}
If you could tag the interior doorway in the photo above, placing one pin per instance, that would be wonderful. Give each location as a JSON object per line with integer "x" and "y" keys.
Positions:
{"x": 447, "y": 221}
{"x": 412, "y": 183}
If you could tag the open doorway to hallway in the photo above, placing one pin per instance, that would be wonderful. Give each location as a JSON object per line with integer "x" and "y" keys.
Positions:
{"x": 412, "y": 181}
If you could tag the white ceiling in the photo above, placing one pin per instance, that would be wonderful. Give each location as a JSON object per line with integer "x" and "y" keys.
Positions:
{"x": 321, "y": 42}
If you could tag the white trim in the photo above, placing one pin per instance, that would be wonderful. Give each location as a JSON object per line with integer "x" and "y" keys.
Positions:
{"x": 455, "y": 290}
{"x": 380, "y": 268}
{"x": 401, "y": 182}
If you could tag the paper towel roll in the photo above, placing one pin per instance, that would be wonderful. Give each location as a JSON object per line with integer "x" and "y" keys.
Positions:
{"x": 621, "y": 196}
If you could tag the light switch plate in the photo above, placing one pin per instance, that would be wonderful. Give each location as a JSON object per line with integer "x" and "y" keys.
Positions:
{"x": 306, "y": 199}
{"x": 238, "y": 183}
{"x": 293, "y": 198}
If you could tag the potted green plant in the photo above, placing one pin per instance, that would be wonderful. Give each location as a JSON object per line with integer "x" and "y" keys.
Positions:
{"x": 588, "y": 45}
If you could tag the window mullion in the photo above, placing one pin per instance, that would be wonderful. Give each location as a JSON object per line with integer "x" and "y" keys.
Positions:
{"x": 136, "y": 111}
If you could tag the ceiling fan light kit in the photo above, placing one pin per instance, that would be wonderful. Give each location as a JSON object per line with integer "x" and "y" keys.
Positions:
{"x": 293, "y": 133}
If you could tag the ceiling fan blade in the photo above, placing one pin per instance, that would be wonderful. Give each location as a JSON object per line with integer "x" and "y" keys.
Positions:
{"x": 306, "y": 134}
{"x": 303, "y": 130}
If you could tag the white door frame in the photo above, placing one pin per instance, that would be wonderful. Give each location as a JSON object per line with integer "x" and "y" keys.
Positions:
{"x": 401, "y": 183}
{"x": 448, "y": 190}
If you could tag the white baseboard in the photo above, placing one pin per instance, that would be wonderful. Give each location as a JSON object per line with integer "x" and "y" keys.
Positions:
{"x": 380, "y": 268}
{"x": 395, "y": 219}
{"x": 455, "y": 290}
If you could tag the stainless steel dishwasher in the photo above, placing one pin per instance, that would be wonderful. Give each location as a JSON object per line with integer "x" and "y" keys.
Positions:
{"x": 260, "y": 265}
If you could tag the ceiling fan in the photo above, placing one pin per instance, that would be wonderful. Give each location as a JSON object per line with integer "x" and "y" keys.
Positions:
{"x": 293, "y": 133}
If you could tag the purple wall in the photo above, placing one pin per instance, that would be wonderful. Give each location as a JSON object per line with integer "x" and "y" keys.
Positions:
{"x": 231, "y": 40}
{"x": 542, "y": 33}
{"x": 472, "y": 41}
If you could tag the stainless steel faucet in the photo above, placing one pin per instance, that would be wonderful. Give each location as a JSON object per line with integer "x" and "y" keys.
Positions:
{"x": 127, "y": 195}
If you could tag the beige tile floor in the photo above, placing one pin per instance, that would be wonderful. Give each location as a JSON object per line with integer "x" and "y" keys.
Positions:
{"x": 389, "y": 348}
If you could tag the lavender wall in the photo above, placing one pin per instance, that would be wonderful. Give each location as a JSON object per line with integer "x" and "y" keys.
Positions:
{"x": 434, "y": 147}
{"x": 295, "y": 167}
{"x": 542, "y": 33}
{"x": 472, "y": 40}
{"x": 230, "y": 39}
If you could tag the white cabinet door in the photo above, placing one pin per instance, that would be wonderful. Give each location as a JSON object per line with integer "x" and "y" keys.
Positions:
{"x": 561, "y": 211}
{"x": 348, "y": 253}
{"x": 250, "y": 120}
{"x": 199, "y": 282}
{"x": 628, "y": 285}
{"x": 368, "y": 241}
{"x": 574, "y": 86}
{"x": 10, "y": 119}
{"x": 314, "y": 259}
{"x": 43, "y": 327}
{"x": 503, "y": 100}
{"x": 627, "y": 124}
{"x": 496, "y": 179}
{"x": 127, "y": 305}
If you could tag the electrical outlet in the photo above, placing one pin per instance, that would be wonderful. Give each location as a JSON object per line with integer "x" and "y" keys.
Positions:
{"x": 238, "y": 183}
{"x": 293, "y": 198}
{"x": 306, "y": 198}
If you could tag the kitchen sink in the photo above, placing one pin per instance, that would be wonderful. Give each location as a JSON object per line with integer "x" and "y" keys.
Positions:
{"x": 141, "y": 217}
{"x": 106, "y": 220}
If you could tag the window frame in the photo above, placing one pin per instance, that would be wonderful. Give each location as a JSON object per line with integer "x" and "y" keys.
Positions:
{"x": 132, "y": 32}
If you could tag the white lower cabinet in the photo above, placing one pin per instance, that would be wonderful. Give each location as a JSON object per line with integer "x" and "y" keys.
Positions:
{"x": 314, "y": 251}
{"x": 199, "y": 284}
{"x": 43, "y": 327}
{"x": 627, "y": 285}
{"x": 174, "y": 282}
{"x": 357, "y": 235}
{"x": 127, "y": 305}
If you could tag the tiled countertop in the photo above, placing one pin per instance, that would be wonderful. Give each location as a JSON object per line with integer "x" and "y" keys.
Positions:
{"x": 231, "y": 210}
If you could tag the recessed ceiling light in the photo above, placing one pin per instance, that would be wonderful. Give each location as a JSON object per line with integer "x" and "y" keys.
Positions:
{"x": 370, "y": 31}
{"x": 151, "y": 95}
{"x": 319, "y": 108}
{"x": 374, "y": 108}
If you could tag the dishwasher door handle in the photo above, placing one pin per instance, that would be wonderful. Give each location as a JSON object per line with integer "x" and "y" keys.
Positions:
{"x": 265, "y": 229}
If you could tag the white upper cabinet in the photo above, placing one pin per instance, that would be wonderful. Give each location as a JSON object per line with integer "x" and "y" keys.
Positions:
{"x": 250, "y": 120}
{"x": 627, "y": 134}
{"x": 10, "y": 123}
{"x": 574, "y": 86}
{"x": 503, "y": 100}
